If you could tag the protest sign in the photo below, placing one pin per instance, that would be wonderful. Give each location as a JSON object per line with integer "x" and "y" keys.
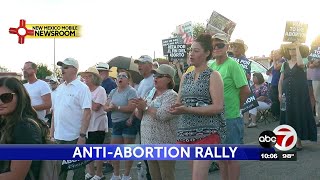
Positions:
{"x": 73, "y": 164}
{"x": 170, "y": 41}
{"x": 250, "y": 103}
{"x": 220, "y": 24}
{"x": 185, "y": 31}
{"x": 177, "y": 52}
{"x": 314, "y": 53}
{"x": 295, "y": 31}
{"x": 244, "y": 63}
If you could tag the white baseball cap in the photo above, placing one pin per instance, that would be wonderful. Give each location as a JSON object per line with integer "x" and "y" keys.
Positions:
{"x": 70, "y": 62}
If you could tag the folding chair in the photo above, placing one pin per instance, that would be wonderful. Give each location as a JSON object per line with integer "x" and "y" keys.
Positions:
{"x": 264, "y": 116}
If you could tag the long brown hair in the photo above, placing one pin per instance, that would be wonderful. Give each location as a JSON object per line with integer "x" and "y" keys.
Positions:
{"x": 23, "y": 111}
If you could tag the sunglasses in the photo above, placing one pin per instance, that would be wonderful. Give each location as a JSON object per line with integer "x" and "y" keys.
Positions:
{"x": 6, "y": 97}
{"x": 219, "y": 46}
{"x": 122, "y": 76}
{"x": 161, "y": 76}
{"x": 66, "y": 67}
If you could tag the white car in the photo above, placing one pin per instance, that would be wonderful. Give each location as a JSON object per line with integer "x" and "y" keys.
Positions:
{"x": 257, "y": 67}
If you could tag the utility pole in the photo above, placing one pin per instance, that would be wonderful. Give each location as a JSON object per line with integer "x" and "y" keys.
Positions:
{"x": 54, "y": 57}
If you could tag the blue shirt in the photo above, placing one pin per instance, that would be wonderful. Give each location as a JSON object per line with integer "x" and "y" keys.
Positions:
{"x": 276, "y": 75}
{"x": 109, "y": 84}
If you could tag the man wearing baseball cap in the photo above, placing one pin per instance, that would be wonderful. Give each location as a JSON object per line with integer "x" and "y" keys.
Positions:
{"x": 236, "y": 91}
{"x": 71, "y": 111}
{"x": 145, "y": 66}
{"x": 108, "y": 84}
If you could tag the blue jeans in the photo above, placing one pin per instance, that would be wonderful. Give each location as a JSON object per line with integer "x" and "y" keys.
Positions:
{"x": 235, "y": 131}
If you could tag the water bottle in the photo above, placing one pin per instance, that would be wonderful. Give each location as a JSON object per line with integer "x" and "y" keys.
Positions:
{"x": 140, "y": 172}
{"x": 283, "y": 102}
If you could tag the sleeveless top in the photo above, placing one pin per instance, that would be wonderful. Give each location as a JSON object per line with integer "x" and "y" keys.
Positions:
{"x": 193, "y": 127}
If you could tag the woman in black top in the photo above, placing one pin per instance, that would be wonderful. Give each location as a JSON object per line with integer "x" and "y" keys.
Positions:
{"x": 18, "y": 125}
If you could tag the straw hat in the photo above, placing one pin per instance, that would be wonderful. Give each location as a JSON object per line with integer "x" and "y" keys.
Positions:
{"x": 91, "y": 70}
{"x": 241, "y": 42}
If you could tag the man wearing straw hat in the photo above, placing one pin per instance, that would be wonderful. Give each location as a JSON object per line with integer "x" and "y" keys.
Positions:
{"x": 238, "y": 49}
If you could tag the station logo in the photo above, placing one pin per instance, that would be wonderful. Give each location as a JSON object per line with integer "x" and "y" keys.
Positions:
{"x": 283, "y": 137}
{"x": 45, "y": 31}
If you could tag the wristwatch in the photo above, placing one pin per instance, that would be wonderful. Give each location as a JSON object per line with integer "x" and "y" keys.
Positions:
{"x": 83, "y": 135}
{"x": 146, "y": 108}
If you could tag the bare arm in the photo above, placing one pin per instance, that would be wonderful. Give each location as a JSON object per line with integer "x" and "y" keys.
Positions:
{"x": 299, "y": 58}
{"x": 280, "y": 86}
{"x": 46, "y": 103}
{"x": 52, "y": 126}
{"x": 127, "y": 109}
{"x": 216, "y": 93}
{"x": 96, "y": 106}
{"x": 18, "y": 170}
{"x": 244, "y": 93}
{"x": 85, "y": 120}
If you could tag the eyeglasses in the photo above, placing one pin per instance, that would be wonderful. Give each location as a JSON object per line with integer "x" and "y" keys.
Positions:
{"x": 292, "y": 49}
{"x": 122, "y": 76}
{"x": 6, "y": 97}
{"x": 161, "y": 76}
{"x": 219, "y": 46}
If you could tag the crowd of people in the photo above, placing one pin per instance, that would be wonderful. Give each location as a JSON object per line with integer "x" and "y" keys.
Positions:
{"x": 200, "y": 105}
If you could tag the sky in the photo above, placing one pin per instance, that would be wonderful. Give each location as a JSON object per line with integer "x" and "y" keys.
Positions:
{"x": 136, "y": 27}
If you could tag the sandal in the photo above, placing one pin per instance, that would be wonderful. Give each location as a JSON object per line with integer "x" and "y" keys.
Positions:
{"x": 88, "y": 176}
{"x": 97, "y": 177}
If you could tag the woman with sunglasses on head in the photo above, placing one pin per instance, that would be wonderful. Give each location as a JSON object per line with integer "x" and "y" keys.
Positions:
{"x": 158, "y": 126}
{"x": 293, "y": 85}
{"x": 19, "y": 124}
{"x": 200, "y": 102}
{"x": 120, "y": 103}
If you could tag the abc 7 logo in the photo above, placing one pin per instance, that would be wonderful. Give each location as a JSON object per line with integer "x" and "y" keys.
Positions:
{"x": 283, "y": 137}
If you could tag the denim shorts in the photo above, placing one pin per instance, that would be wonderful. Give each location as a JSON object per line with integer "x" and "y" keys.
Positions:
{"x": 235, "y": 131}
{"x": 122, "y": 130}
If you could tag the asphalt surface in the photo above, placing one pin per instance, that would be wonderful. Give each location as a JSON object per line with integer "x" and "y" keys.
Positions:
{"x": 307, "y": 166}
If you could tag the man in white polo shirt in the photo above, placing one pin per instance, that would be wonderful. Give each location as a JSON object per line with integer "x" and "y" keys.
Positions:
{"x": 71, "y": 111}
{"x": 39, "y": 91}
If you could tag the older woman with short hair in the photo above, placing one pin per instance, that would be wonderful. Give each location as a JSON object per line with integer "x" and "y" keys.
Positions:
{"x": 261, "y": 91}
{"x": 97, "y": 126}
{"x": 158, "y": 126}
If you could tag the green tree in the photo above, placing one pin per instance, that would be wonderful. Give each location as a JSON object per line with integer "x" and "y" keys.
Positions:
{"x": 198, "y": 29}
{"x": 57, "y": 72}
{"x": 43, "y": 71}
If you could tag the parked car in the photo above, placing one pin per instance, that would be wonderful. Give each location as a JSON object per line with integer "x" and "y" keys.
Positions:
{"x": 258, "y": 67}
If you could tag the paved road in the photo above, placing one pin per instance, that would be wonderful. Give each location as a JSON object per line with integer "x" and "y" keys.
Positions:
{"x": 307, "y": 167}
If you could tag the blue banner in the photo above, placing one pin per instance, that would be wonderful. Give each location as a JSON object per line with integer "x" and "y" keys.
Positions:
{"x": 132, "y": 152}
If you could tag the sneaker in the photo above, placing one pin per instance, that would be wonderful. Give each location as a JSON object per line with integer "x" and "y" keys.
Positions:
{"x": 115, "y": 177}
{"x": 125, "y": 177}
{"x": 252, "y": 124}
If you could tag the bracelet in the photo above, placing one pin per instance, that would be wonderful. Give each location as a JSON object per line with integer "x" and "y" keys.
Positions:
{"x": 83, "y": 135}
